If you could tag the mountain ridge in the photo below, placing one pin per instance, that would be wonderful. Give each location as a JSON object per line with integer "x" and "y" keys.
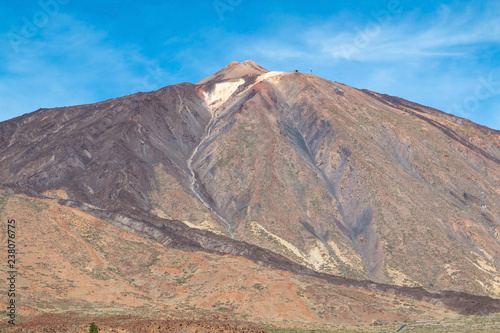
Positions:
{"x": 290, "y": 163}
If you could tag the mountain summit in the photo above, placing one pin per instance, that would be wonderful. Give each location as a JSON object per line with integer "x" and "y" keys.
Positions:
{"x": 334, "y": 179}
{"x": 236, "y": 70}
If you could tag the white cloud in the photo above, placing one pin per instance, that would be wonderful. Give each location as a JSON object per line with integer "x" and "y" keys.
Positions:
{"x": 399, "y": 39}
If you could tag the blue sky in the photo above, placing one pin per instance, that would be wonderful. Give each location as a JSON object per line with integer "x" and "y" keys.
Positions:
{"x": 65, "y": 52}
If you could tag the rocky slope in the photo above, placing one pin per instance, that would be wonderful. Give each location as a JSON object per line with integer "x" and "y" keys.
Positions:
{"x": 343, "y": 181}
{"x": 74, "y": 268}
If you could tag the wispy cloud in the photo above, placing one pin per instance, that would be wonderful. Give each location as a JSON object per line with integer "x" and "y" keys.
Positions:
{"x": 72, "y": 63}
{"x": 450, "y": 32}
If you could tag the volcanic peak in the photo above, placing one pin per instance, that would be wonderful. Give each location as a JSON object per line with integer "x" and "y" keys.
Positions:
{"x": 235, "y": 70}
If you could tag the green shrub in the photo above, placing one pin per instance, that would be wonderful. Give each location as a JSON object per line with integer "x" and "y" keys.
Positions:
{"x": 93, "y": 328}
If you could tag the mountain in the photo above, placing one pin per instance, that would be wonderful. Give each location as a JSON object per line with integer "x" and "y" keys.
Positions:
{"x": 289, "y": 170}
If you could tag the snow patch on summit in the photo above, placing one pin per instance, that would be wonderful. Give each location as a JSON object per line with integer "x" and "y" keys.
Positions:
{"x": 224, "y": 90}
{"x": 221, "y": 93}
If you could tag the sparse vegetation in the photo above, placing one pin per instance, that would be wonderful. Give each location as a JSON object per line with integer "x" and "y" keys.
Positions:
{"x": 259, "y": 287}
{"x": 184, "y": 279}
